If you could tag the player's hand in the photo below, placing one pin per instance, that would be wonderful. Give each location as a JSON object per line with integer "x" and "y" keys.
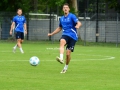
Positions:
{"x": 49, "y": 34}
{"x": 10, "y": 32}
{"x": 77, "y": 27}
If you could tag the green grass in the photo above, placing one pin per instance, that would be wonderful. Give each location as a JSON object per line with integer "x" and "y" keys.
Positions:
{"x": 91, "y": 68}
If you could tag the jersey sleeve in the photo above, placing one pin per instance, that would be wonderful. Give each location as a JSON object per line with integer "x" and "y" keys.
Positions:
{"x": 60, "y": 25}
{"x": 24, "y": 20}
{"x": 74, "y": 18}
{"x": 14, "y": 19}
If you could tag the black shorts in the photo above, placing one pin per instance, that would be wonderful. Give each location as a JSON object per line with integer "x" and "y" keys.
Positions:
{"x": 70, "y": 42}
{"x": 19, "y": 35}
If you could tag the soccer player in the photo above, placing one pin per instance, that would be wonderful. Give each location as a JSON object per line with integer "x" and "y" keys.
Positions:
{"x": 19, "y": 22}
{"x": 69, "y": 24}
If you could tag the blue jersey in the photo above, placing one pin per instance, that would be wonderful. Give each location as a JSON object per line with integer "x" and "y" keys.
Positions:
{"x": 19, "y": 23}
{"x": 68, "y": 24}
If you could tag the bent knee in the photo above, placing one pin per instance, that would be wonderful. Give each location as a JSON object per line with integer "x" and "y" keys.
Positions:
{"x": 62, "y": 42}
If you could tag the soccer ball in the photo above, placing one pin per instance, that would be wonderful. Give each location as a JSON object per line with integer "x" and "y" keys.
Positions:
{"x": 34, "y": 61}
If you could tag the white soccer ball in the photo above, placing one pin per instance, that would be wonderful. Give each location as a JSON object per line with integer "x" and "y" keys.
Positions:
{"x": 34, "y": 61}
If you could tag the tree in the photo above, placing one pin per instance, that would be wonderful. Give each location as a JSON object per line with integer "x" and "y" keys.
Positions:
{"x": 36, "y": 5}
{"x": 13, "y": 5}
{"x": 114, "y": 4}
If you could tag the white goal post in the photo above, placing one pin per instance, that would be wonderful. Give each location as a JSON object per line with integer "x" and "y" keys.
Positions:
{"x": 47, "y": 15}
{"x": 56, "y": 17}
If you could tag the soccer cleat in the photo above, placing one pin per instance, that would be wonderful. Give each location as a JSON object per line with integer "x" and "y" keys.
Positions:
{"x": 22, "y": 51}
{"x": 63, "y": 71}
{"x": 14, "y": 49}
{"x": 59, "y": 60}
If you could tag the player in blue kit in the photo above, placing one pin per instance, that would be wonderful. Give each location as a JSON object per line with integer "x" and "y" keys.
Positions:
{"x": 19, "y": 22}
{"x": 69, "y": 24}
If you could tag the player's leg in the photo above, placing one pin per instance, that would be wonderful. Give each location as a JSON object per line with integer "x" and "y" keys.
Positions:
{"x": 62, "y": 44}
{"x": 68, "y": 57}
{"x": 19, "y": 38}
{"x": 15, "y": 47}
{"x": 69, "y": 49}
{"x": 21, "y": 41}
{"x": 19, "y": 45}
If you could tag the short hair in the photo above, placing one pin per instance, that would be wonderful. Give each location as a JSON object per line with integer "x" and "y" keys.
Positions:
{"x": 66, "y": 4}
{"x": 19, "y": 9}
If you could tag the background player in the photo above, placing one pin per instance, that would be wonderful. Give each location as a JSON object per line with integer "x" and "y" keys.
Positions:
{"x": 68, "y": 23}
{"x": 19, "y": 22}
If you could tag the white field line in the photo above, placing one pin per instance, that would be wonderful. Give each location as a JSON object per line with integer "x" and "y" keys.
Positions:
{"x": 102, "y": 57}
{"x": 105, "y": 58}
{"x": 26, "y": 51}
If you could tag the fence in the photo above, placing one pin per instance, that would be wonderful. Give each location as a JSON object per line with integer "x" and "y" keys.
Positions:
{"x": 5, "y": 23}
{"x": 41, "y": 24}
{"x": 108, "y": 28}
{"x": 101, "y": 28}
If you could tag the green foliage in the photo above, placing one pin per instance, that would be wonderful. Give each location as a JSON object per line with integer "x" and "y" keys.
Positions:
{"x": 39, "y": 6}
{"x": 13, "y": 5}
{"x": 114, "y": 4}
{"x": 45, "y": 5}
{"x": 60, "y": 2}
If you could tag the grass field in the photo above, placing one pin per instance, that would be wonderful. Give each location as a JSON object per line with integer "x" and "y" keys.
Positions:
{"x": 91, "y": 68}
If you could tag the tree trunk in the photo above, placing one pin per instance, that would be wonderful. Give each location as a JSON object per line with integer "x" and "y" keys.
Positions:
{"x": 74, "y": 5}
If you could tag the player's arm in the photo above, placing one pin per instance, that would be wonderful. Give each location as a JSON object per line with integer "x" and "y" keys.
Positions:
{"x": 25, "y": 28}
{"x": 25, "y": 25}
{"x": 78, "y": 25}
{"x": 55, "y": 32}
{"x": 12, "y": 26}
{"x": 75, "y": 20}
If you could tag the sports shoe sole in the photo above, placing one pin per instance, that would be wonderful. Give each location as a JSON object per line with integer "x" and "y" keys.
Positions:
{"x": 63, "y": 71}
{"x": 58, "y": 59}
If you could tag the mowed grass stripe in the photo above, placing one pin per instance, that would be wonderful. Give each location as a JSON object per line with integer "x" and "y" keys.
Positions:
{"x": 89, "y": 75}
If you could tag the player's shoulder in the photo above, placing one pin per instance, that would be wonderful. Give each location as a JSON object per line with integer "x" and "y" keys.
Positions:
{"x": 23, "y": 16}
{"x": 15, "y": 16}
{"x": 71, "y": 14}
{"x": 61, "y": 18}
